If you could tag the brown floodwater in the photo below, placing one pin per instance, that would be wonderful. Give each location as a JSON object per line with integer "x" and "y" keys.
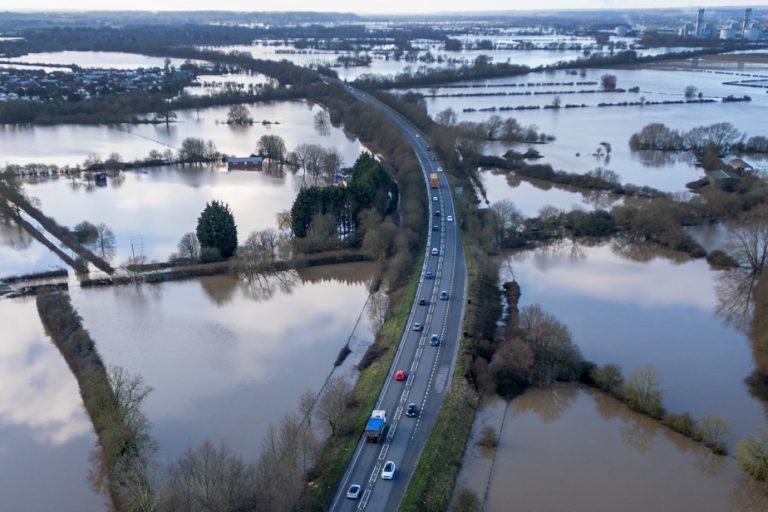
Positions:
{"x": 226, "y": 359}
{"x": 631, "y": 306}
{"x": 571, "y": 448}
{"x": 45, "y": 435}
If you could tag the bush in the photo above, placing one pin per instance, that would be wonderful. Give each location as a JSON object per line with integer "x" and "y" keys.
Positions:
{"x": 210, "y": 255}
{"x": 488, "y": 437}
{"x": 682, "y": 423}
{"x": 752, "y": 455}
{"x": 641, "y": 392}
{"x": 712, "y": 430}
{"x": 608, "y": 378}
{"x": 467, "y": 501}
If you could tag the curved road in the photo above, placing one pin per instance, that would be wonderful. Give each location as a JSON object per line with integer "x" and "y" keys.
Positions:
{"x": 429, "y": 368}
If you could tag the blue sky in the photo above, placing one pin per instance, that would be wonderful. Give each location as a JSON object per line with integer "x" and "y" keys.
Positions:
{"x": 390, "y": 6}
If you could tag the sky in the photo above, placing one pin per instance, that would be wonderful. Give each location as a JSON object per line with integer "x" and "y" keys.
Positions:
{"x": 356, "y": 6}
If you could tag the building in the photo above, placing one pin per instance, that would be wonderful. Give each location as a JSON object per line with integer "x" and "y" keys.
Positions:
{"x": 740, "y": 165}
{"x": 244, "y": 163}
{"x": 724, "y": 178}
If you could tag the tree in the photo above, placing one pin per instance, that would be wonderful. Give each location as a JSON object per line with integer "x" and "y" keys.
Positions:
{"x": 608, "y": 378}
{"x": 165, "y": 114}
{"x": 453, "y": 45}
{"x": 507, "y": 219}
{"x": 216, "y": 229}
{"x": 690, "y": 92}
{"x": 748, "y": 241}
{"x": 752, "y": 455}
{"x": 239, "y": 114}
{"x": 192, "y": 150}
{"x": 446, "y": 117}
{"x": 104, "y": 244}
{"x": 85, "y": 233}
{"x": 641, "y": 391}
{"x": 608, "y": 82}
{"x": 492, "y": 127}
{"x": 333, "y": 403}
{"x": 272, "y": 147}
{"x": 189, "y": 247}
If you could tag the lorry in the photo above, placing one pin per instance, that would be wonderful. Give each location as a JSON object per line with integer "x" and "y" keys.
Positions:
{"x": 433, "y": 183}
{"x": 374, "y": 428}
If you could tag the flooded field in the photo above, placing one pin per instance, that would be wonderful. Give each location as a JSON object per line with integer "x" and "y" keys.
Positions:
{"x": 118, "y": 60}
{"x": 579, "y": 132}
{"x": 71, "y": 144}
{"x": 45, "y": 435}
{"x": 22, "y": 254}
{"x": 225, "y": 359}
{"x": 632, "y": 307}
{"x": 602, "y": 456}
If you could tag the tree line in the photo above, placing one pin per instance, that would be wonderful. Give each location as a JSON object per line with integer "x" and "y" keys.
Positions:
{"x": 720, "y": 137}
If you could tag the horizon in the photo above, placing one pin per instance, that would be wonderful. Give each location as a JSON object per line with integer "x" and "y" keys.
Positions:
{"x": 396, "y": 8}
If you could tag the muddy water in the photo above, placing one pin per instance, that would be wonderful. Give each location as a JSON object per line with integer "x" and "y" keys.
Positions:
{"x": 45, "y": 434}
{"x": 225, "y": 359}
{"x": 631, "y": 307}
{"x": 577, "y": 449}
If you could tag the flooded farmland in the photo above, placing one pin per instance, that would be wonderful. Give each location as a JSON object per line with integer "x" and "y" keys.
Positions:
{"x": 602, "y": 456}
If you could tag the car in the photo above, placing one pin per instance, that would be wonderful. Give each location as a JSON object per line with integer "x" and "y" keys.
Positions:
{"x": 435, "y": 252}
{"x": 417, "y": 326}
{"x": 434, "y": 340}
{"x": 450, "y": 218}
{"x": 412, "y": 410}
{"x": 439, "y": 169}
{"x": 388, "y": 471}
{"x": 354, "y": 491}
{"x": 437, "y": 213}
{"x": 429, "y": 275}
{"x": 435, "y": 228}
{"x": 418, "y": 136}
{"x": 422, "y": 301}
{"x": 443, "y": 295}
{"x": 434, "y": 158}
{"x": 434, "y": 198}
{"x": 400, "y": 375}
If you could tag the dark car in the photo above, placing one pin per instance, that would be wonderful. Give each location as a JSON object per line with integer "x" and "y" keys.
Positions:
{"x": 412, "y": 410}
{"x": 422, "y": 301}
{"x": 429, "y": 275}
{"x": 437, "y": 213}
{"x": 434, "y": 340}
{"x": 435, "y": 228}
{"x": 443, "y": 295}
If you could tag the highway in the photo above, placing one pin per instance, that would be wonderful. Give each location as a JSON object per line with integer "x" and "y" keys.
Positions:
{"x": 429, "y": 368}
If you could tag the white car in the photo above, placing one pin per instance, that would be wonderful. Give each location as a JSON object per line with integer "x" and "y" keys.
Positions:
{"x": 388, "y": 471}
{"x": 354, "y": 491}
{"x": 450, "y": 218}
{"x": 435, "y": 251}
{"x": 434, "y": 198}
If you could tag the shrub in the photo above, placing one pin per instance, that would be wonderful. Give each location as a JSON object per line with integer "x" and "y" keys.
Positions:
{"x": 608, "y": 378}
{"x": 488, "y": 437}
{"x": 752, "y": 455}
{"x": 682, "y": 423}
{"x": 712, "y": 430}
{"x": 641, "y": 392}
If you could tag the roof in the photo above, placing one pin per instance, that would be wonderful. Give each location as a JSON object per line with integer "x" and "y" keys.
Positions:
{"x": 721, "y": 175}
{"x": 738, "y": 163}
{"x": 244, "y": 159}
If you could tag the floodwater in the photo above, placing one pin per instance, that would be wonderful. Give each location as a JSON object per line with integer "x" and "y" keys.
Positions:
{"x": 117, "y": 60}
{"x": 576, "y": 448}
{"x": 22, "y": 254}
{"x": 225, "y": 359}
{"x": 45, "y": 435}
{"x": 638, "y": 308}
{"x": 71, "y": 144}
{"x": 580, "y": 131}
{"x": 149, "y": 213}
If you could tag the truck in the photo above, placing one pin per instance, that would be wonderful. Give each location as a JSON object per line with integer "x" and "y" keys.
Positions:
{"x": 433, "y": 183}
{"x": 374, "y": 428}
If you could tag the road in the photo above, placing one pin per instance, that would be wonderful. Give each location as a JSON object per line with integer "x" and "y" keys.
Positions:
{"x": 429, "y": 368}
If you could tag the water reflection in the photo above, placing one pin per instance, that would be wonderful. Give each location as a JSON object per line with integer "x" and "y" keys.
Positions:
{"x": 216, "y": 347}
{"x": 596, "y": 454}
{"x": 45, "y": 434}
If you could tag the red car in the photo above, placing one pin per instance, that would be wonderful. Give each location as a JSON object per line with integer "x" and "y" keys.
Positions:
{"x": 400, "y": 375}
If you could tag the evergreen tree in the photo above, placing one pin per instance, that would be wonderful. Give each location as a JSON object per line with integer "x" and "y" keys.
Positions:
{"x": 216, "y": 228}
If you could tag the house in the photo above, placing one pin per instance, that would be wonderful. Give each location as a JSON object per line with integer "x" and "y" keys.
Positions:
{"x": 723, "y": 177}
{"x": 740, "y": 165}
{"x": 341, "y": 180}
{"x": 244, "y": 162}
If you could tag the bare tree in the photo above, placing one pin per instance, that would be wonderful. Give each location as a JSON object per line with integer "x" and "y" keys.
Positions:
{"x": 378, "y": 304}
{"x": 333, "y": 404}
{"x": 189, "y": 247}
{"x": 104, "y": 245}
{"x": 272, "y": 147}
{"x": 239, "y": 114}
{"x": 447, "y": 117}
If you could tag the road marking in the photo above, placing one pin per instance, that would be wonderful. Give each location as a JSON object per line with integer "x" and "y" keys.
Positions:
{"x": 391, "y": 432}
{"x": 374, "y": 473}
{"x": 404, "y": 396}
{"x": 383, "y": 452}
{"x": 419, "y": 352}
{"x": 398, "y": 412}
{"x": 364, "y": 501}
{"x": 414, "y": 365}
